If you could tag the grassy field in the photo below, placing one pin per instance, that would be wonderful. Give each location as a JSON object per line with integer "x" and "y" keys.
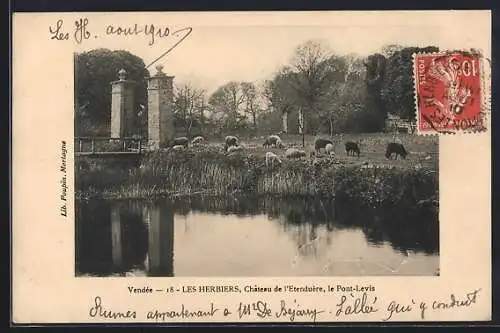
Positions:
{"x": 370, "y": 179}
{"x": 423, "y": 150}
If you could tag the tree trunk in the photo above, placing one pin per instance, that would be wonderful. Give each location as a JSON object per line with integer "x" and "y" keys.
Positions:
{"x": 331, "y": 126}
{"x": 301, "y": 126}
{"x": 301, "y": 121}
{"x": 303, "y": 139}
{"x": 188, "y": 131}
{"x": 284, "y": 118}
{"x": 188, "y": 124}
{"x": 254, "y": 118}
{"x": 202, "y": 117}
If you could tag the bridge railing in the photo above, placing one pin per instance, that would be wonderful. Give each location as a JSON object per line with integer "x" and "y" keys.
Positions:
{"x": 107, "y": 144}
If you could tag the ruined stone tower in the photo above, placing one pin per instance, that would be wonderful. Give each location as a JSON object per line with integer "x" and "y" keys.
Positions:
{"x": 122, "y": 106}
{"x": 160, "y": 109}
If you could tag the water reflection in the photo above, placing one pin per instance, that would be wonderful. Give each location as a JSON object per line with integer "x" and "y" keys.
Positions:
{"x": 241, "y": 236}
{"x": 160, "y": 219}
{"x": 118, "y": 237}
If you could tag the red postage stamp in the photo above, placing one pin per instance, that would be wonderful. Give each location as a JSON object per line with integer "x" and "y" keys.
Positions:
{"x": 448, "y": 93}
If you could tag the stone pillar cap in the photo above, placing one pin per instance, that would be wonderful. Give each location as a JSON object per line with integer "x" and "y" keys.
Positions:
{"x": 159, "y": 70}
{"x": 121, "y": 74}
{"x": 160, "y": 75}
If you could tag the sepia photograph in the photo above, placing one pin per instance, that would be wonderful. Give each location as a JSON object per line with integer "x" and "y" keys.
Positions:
{"x": 300, "y": 158}
{"x": 251, "y": 167}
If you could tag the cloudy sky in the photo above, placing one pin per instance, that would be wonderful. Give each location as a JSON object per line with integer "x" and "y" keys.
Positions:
{"x": 251, "y": 46}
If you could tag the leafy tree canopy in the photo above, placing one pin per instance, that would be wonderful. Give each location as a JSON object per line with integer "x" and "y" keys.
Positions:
{"x": 94, "y": 71}
{"x": 397, "y": 89}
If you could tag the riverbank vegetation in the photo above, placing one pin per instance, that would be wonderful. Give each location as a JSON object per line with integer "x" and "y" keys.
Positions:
{"x": 369, "y": 180}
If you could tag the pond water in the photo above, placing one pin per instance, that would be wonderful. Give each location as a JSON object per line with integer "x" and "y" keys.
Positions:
{"x": 207, "y": 236}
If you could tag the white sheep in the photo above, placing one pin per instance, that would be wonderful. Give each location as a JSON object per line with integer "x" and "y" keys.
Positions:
{"x": 273, "y": 141}
{"x": 230, "y": 141}
{"x": 295, "y": 153}
{"x": 272, "y": 159}
{"x": 330, "y": 149}
{"x": 235, "y": 149}
{"x": 184, "y": 141}
{"x": 198, "y": 140}
{"x": 178, "y": 147}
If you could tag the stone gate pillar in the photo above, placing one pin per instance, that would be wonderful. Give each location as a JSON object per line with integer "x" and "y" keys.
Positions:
{"x": 160, "y": 109}
{"x": 160, "y": 221}
{"x": 116, "y": 236}
{"x": 122, "y": 106}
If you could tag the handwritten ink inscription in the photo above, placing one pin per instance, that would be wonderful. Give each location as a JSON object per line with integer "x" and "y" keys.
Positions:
{"x": 99, "y": 311}
{"x": 291, "y": 312}
{"x": 57, "y": 32}
{"x": 81, "y": 33}
{"x": 182, "y": 313}
{"x": 350, "y": 305}
{"x": 396, "y": 308}
{"x": 152, "y": 32}
{"x": 347, "y": 306}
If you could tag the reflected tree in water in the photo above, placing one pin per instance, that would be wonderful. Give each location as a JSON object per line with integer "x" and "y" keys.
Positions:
{"x": 112, "y": 239}
{"x": 117, "y": 237}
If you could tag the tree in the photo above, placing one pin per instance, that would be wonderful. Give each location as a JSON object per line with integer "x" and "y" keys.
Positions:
{"x": 94, "y": 71}
{"x": 189, "y": 104}
{"x": 280, "y": 95}
{"x": 227, "y": 106}
{"x": 330, "y": 107}
{"x": 270, "y": 121}
{"x": 347, "y": 95}
{"x": 398, "y": 88}
{"x": 313, "y": 69}
{"x": 311, "y": 84}
{"x": 389, "y": 50}
{"x": 375, "y": 113}
{"x": 352, "y": 108}
{"x": 356, "y": 69}
{"x": 253, "y": 102}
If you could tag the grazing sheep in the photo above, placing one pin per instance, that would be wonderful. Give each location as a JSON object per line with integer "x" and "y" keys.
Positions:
{"x": 320, "y": 143}
{"x": 295, "y": 153}
{"x": 274, "y": 141}
{"x": 232, "y": 149}
{"x": 330, "y": 149}
{"x": 272, "y": 159}
{"x": 197, "y": 140}
{"x": 181, "y": 141}
{"x": 395, "y": 148}
{"x": 352, "y": 147}
{"x": 230, "y": 141}
{"x": 178, "y": 147}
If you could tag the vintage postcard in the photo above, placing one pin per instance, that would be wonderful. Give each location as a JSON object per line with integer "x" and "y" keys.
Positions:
{"x": 288, "y": 167}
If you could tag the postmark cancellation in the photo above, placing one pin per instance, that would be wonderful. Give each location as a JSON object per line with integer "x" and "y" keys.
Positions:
{"x": 452, "y": 92}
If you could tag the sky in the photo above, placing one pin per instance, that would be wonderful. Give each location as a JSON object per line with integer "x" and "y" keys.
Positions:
{"x": 252, "y": 46}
